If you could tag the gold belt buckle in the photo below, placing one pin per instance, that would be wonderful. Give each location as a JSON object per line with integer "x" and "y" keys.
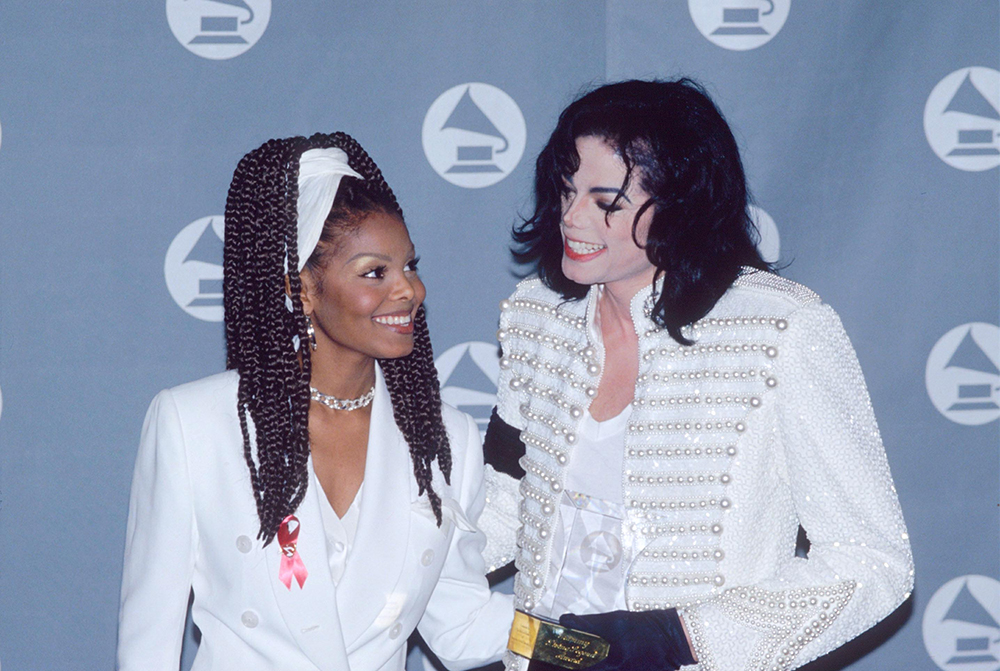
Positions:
{"x": 548, "y": 641}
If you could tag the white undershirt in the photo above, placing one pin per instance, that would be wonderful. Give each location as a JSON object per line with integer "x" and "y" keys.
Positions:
{"x": 595, "y": 470}
{"x": 599, "y": 457}
{"x": 340, "y": 531}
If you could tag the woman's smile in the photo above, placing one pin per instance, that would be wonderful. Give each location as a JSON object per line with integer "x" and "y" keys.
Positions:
{"x": 365, "y": 296}
{"x": 400, "y": 322}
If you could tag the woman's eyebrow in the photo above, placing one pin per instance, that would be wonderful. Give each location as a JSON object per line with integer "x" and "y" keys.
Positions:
{"x": 381, "y": 257}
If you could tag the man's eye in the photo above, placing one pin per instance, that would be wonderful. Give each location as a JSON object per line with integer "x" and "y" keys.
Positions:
{"x": 412, "y": 265}
{"x": 608, "y": 207}
{"x": 376, "y": 273}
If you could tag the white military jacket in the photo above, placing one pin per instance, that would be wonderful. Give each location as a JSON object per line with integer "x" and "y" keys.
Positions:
{"x": 760, "y": 426}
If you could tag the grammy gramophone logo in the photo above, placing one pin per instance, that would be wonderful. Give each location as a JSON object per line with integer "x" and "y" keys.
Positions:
{"x": 961, "y": 624}
{"x": 218, "y": 29}
{"x": 474, "y": 135}
{"x": 962, "y": 119}
{"x": 468, "y": 373}
{"x": 193, "y": 268}
{"x": 739, "y": 25}
{"x": 963, "y": 374}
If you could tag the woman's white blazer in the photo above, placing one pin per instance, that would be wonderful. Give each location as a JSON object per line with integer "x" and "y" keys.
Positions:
{"x": 193, "y": 525}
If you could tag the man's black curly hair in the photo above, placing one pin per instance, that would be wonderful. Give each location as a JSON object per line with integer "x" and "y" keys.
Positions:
{"x": 674, "y": 140}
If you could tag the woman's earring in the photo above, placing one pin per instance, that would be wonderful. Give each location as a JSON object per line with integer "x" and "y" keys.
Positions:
{"x": 311, "y": 332}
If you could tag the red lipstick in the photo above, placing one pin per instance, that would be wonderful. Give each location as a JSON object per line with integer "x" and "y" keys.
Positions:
{"x": 579, "y": 257}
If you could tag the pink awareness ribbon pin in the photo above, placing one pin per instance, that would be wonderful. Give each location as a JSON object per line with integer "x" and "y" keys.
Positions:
{"x": 291, "y": 562}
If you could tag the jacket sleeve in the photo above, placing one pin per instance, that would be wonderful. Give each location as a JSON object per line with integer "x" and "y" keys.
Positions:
{"x": 510, "y": 393}
{"x": 465, "y": 624}
{"x": 159, "y": 546}
{"x": 859, "y": 567}
{"x": 503, "y": 449}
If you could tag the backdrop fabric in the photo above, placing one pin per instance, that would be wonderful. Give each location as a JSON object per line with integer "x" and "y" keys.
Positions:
{"x": 871, "y": 136}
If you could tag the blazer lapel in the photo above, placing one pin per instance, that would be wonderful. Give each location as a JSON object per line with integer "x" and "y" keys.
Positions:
{"x": 310, "y": 611}
{"x": 366, "y": 594}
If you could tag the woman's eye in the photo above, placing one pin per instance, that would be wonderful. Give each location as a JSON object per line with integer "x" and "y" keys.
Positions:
{"x": 412, "y": 265}
{"x": 376, "y": 273}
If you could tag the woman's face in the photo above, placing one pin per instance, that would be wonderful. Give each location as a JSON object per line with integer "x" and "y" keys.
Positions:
{"x": 364, "y": 296}
{"x": 597, "y": 238}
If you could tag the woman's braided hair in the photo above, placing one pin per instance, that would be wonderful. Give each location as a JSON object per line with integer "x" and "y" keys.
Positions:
{"x": 263, "y": 335}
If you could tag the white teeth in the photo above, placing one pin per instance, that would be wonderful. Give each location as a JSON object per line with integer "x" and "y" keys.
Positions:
{"x": 583, "y": 247}
{"x": 394, "y": 321}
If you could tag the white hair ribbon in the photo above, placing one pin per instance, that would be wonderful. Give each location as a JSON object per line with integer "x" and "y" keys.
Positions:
{"x": 320, "y": 172}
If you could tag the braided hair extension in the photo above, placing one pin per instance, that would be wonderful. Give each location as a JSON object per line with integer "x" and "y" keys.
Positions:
{"x": 264, "y": 337}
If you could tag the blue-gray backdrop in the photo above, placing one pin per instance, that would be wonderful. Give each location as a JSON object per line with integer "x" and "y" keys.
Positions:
{"x": 870, "y": 134}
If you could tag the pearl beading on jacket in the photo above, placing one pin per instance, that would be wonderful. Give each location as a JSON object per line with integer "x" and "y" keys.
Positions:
{"x": 583, "y": 355}
{"x": 694, "y": 407}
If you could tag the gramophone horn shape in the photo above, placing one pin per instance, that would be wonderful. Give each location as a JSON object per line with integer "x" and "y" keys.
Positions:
{"x": 468, "y": 116}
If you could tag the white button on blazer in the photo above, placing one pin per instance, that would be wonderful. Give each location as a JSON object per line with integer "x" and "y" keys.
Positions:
{"x": 191, "y": 496}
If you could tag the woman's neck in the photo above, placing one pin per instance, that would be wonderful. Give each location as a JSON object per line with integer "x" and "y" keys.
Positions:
{"x": 342, "y": 374}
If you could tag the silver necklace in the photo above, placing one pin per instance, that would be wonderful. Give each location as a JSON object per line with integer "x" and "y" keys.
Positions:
{"x": 335, "y": 403}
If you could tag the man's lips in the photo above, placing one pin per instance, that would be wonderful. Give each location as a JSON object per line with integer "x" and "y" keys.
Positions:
{"x": 581, "y": 251}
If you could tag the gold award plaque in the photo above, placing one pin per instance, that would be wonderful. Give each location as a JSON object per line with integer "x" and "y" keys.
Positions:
{"x": 550, "y": 642}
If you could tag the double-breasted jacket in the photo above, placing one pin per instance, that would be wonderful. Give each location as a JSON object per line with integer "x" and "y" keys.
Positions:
{"x": 193, "y": 525}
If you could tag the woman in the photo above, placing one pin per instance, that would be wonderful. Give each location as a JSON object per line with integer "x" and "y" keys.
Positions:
{"x": 318, "y": 497}
{"x": 662, "y": 389}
